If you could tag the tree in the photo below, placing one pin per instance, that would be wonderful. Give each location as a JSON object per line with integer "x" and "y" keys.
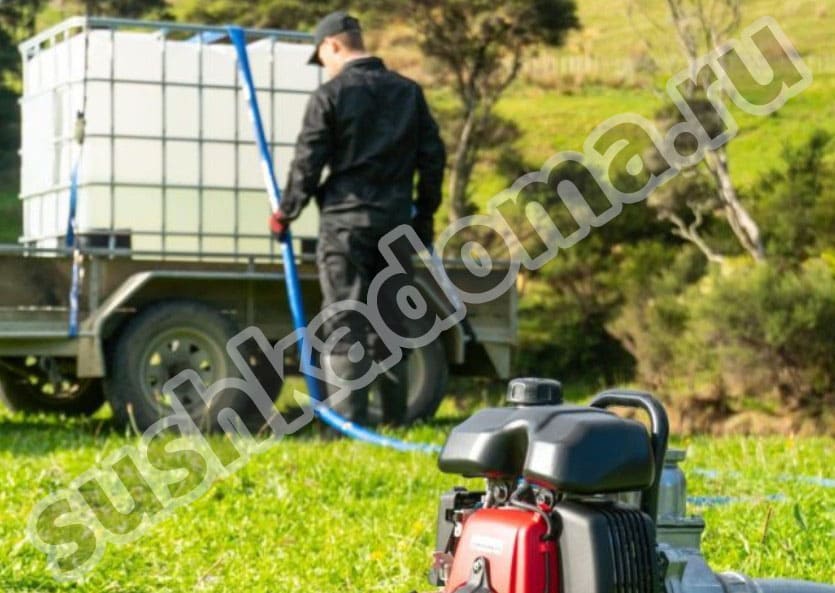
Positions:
{"x": 480, "y": 47}
{"x": 17, "y": 22}
{"x": 700, "y": 26}
{"x": 576, "y": 295}
{"x": 131, "y": 9}
{"x": 690, "y": 201}
{"x": 795, "y": 200}
{"x": 17, "y": 18}
{"x": 276, "y": 14}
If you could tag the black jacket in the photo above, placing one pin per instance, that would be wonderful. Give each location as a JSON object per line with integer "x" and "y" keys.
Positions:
{"x": 373, "y": 130}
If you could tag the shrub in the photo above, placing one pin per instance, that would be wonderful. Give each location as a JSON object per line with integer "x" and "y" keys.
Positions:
{"x": 795, "y": 202}
{"x": 745, "y": 333}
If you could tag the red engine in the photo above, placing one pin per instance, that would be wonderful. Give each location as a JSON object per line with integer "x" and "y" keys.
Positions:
{"x": 549, "y": 520}
{"x": 504, "y": 549}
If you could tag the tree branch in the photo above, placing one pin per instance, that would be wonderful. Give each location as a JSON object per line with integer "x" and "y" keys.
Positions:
{"x": 691, "y": 234}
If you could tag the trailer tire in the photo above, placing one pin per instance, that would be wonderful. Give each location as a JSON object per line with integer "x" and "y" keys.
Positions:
{"x": 428, "y": 375}
{"x": 25, "y": 387}
{"x": 167, "y": 338}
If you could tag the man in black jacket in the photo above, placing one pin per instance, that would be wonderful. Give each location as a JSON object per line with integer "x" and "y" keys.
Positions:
{"x": 373, "y": 130}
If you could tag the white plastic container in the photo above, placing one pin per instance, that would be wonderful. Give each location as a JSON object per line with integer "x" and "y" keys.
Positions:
{"x": 169, "y": 154}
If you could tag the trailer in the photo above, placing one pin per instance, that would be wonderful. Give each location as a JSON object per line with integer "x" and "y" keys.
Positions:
{"x": 135, "y": 143}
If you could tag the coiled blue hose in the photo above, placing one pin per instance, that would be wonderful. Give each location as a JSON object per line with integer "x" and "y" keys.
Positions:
{"x": 291, "y": 275}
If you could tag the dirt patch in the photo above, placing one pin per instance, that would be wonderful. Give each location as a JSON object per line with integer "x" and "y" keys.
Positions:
{"x": 715, "y": 416}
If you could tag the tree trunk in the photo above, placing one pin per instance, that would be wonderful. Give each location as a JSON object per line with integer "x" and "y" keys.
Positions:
{"x": 459, "y": 177}
{"x": 740, "y": 220}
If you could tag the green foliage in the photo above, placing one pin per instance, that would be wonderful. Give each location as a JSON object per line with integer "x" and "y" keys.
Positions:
{"x": 746, "y": 331}
{"x": 278, "y": 14}
{"x": 553, "y": 19}
{"x": 17, "y": 21}
{"x": 10, "y": 215}
{"x": 651, "y": 321}
{"x": 560, "y": 339}
{"x": 796, "y": 202}
{"x": 575, "y": 295}
{"x": 9, "y": 136}
{"x": 741, "y": 331}
{"x": 780, "y": 340}
{"x": 130, "y": 9}
{"x": 473, "y": 40}
{"x": 478, "y": 48}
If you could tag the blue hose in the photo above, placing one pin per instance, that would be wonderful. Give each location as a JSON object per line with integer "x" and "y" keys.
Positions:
{"x": 291, "y": 275}
{"x": 72, "y": 241}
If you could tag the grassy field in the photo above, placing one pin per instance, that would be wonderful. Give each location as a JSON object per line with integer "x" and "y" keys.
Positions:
{"x": 310, "y": 515}
{"x": 609, "y": 29}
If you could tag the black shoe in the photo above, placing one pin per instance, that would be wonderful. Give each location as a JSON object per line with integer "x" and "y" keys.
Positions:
{"x": 352, "y": 406}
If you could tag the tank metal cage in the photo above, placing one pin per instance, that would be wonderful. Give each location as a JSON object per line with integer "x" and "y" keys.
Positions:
{"x": 201, "y": 239}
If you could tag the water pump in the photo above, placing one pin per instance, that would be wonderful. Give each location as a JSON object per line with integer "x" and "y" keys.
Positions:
{"x": 577, "y": 500}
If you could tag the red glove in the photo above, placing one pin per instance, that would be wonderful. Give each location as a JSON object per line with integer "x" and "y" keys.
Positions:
{"x": 279, "y": 226}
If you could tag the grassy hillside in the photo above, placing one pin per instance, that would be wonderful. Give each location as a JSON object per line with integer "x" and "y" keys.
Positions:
{"x": 610, "y": 31}
{"x": 551, "y": 122}
{"x": 556, "y": 111}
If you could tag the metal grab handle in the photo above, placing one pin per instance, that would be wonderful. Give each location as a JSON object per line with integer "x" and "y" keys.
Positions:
{"x": 659, "y": 431}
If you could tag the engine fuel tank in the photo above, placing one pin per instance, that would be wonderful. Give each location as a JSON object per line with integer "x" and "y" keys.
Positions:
{"x": 569, "y": 448}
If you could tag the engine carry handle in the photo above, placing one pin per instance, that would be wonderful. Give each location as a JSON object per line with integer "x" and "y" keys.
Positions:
{"x": 659, "y": 431}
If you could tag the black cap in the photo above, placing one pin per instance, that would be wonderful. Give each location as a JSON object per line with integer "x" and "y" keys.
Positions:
{"x": 532, "y": 391}
{"x": 332, "y": 24}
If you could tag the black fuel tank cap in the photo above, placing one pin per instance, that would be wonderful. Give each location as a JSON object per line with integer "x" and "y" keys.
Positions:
{"x": 533, "y": 391}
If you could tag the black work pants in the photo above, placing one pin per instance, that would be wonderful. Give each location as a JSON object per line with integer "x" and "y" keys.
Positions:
{"x": 348, "y": 259}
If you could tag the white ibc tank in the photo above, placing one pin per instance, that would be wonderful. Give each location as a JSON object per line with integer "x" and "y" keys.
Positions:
{"x": 169, "y": 154}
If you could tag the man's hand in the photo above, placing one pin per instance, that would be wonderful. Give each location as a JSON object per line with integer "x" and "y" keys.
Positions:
{"x": 279, "y": 226}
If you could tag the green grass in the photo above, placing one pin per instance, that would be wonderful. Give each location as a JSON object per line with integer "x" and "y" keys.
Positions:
{"x": 340, "y": 516}
{"x": 610, "y": 32}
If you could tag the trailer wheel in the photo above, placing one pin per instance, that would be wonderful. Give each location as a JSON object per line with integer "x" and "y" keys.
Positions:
{"x": 46, "y": 384}
{"x": 428, "y": 374}
{"x": 165, "y": 339}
